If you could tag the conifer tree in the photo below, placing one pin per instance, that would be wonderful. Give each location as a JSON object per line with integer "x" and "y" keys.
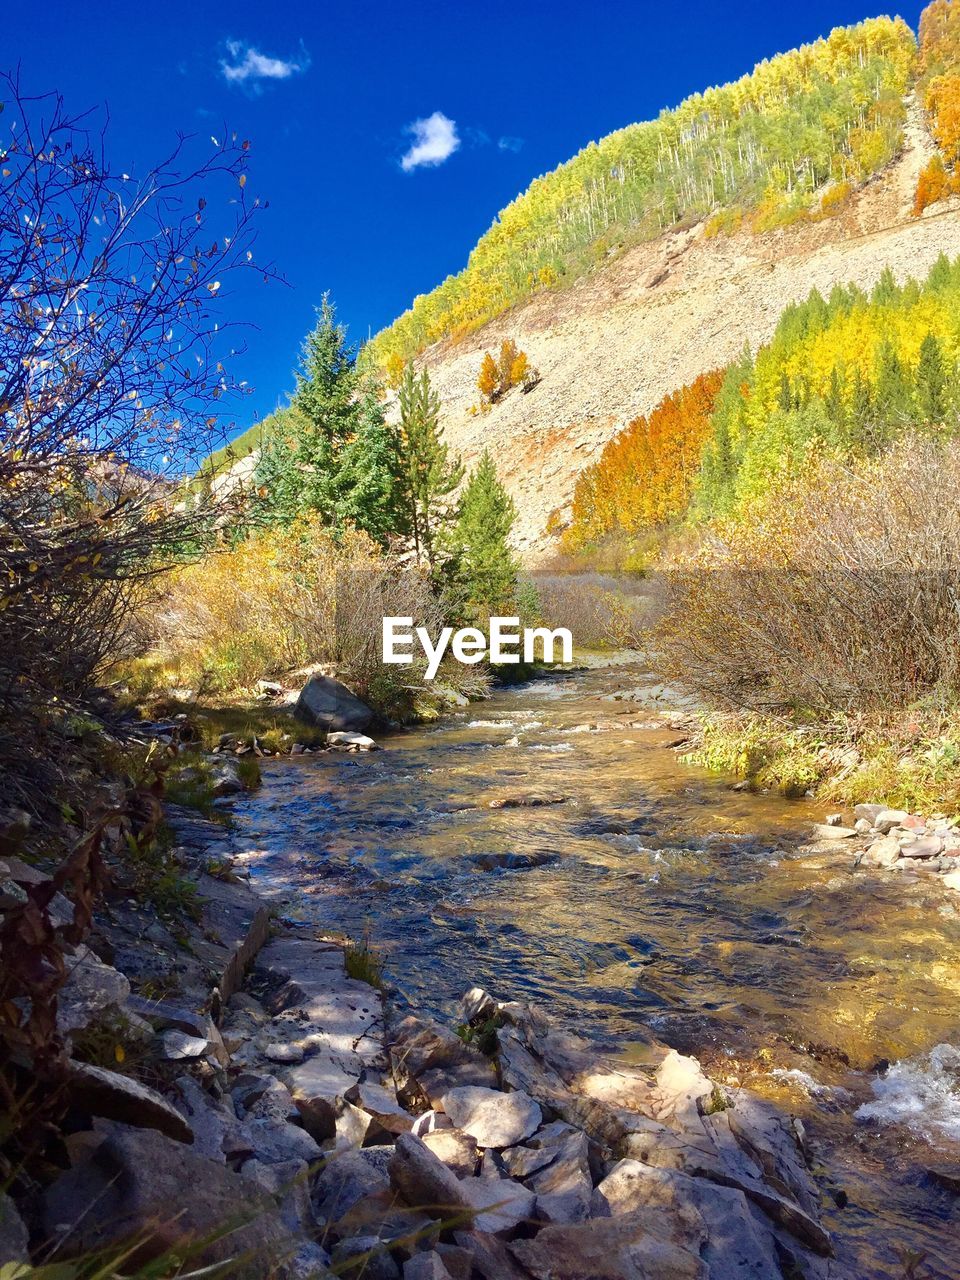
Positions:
{"x": 335, "y": 454}
{"x": 482, "y": 570}
{"x": 428, "y": 473}
{"x": 931, "y": 381}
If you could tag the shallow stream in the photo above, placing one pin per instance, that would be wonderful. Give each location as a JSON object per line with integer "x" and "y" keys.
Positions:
{"x": 643, "y": 894}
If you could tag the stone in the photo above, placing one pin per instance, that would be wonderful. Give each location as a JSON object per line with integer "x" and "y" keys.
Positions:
{"x": 564, "y": 1187}
{"x": 456, "y": 1259}
{"x": 14, "y": 1236}
{"x": 736, "y": 1245}
{"x": 225, "y": 778}
{"x": 364, "y": 1258}
{"x": 316, "y": 1085}
{"x": 490, "y": 1256}
{"x": 128, "y": 1186}
{"x": 351, "y": 1126}
{"x": 341, "y": 741}
{"x": 457, "y": 1150}
{"x": 636, "y": 1246}
{"x": 887, "y": 819}
{"x": 500, "y": 1205}
{"x": 275, "y": 1141}
{"x": 424, "y": 1180}
{"x": 426, "y": 1266}
{"x": 924, "y": 847}
{"x": 530, "y": 800}
{"x": 428, "y": 1060}
{"x": 832, "y": 831}
{"x": 863, "y": 826}
{"x": 287, "y": 1181}
{"x": 951, "y": 880}
{"x": 348, "y": 1177}
{"x": 217, "y": 1132}
{"x": 92, "y": 989}
{"x": 177, "y": 1044}
{"x": 284, "y": 1052}
{"x": 868, "y": 812}
{"x": 330, "y": 705}
{"x": 477, "y": 1006}
{"x": 116, "y": 1097}
{"x": 883, "y": 852}
{"x": 263, "y": 1096}
{"x": 382, "y": 1106}
{"x": 163, "y": 1014}
{"x": 495, "y": 1119}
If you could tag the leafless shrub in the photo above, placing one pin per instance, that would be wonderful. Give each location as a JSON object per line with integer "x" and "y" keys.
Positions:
{"x": 598, "y": 609}
{"x": 111, "y": 367}
{"x": 842, "y": 593}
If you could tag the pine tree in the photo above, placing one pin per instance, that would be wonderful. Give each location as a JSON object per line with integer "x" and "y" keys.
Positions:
{"x": 429, "y": 474}
{"x": 482, "y": 570}
{"x": 931, "y": 382}
{"x": 893, "y": 397}
{"x": 335, "y": 456}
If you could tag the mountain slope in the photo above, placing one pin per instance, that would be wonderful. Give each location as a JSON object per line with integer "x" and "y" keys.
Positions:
{"x": 614, "y": 343}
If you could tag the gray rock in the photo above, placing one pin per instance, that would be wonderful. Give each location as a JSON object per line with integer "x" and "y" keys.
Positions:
{"x": 424, "y": 1180}
{"x": 564, "y": 1187}
{"x": 642, "y": 1245}
{"x": 136, "y": 1177}
{"x": 341, "y": 741}
{"x": 177, "y": 1044}
{"x": 500, "y": 1204}
{"x": 868, "y": 812}
{"x": 263, "y": 1097}
{"x": 924, "y": 847}
{"x": 832, "y": 831}
{"x": 887, "y": 819}
{"x": 330, "y": 705}
{"x": 426, "y": 1266}
{"x": 288, "y": 1183}
{"x": 382, "y": 1106}
{"x": 316, "y": 1086}
{"x": 91, "y": 990}
{"x": 284, "y": 1052}
{"x": 14, "y": 1236}
{"x": 736, "y": 1245}
{"x": 428, "y": 1060}
{"x": 883, "y": 852}
{"x": 116, "y": 1097}
{"x": 457, "y": 1150}
{"x": 275, "y": 1142}
{"x": 348, "y": 1177}
{"x": 476, "y": 1005}
{"x": 490, "y": 1256}
{"x": 364, "y": 1258}
{"x": 495, "y": 1119}
{"x": 216, "y": 1129}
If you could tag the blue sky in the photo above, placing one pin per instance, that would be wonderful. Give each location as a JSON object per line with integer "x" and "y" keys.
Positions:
{"x": 363, "y": 200}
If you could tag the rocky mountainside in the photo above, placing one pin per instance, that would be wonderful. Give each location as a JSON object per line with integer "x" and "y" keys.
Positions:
{"x": 650, "y": 320}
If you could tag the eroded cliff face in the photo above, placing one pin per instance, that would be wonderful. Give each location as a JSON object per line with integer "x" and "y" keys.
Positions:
{"x": 611, "y": 346}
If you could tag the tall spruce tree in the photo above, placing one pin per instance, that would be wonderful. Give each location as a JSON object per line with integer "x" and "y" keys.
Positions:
{"x": 335, "y": 455}
{"x": 428, "y": 473}
{"x": 482, "y": 570}
{"x": 931, "y": 382}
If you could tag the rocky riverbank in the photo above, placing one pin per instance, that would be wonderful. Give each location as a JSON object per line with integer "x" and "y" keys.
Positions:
{"x": 254, "y": 1103}
{"x": 894, "y": 840}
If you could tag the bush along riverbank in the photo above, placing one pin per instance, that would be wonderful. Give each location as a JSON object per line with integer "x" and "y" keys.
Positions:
{"x": 229, "y": 1091}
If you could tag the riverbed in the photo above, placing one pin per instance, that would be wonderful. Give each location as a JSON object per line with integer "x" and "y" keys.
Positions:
{"x": 551, "y": 844}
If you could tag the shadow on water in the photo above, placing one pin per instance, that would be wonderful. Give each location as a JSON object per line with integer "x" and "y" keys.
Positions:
{"x": 639, "y": 893}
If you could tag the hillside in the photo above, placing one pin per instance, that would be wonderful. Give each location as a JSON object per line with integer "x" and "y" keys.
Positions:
{"x": 614, "y": 343}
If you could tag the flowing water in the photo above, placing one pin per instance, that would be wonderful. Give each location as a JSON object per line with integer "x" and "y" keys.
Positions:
{"x": 645, "y": 894}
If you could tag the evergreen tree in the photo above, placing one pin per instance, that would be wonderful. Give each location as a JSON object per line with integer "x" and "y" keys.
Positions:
{"x": 335, "y": 454}
{"x": 482, "y": 570}
{"x": 931, "y": 382}
{"x": 428, "y": 473}
{"x": 892, "y": 393}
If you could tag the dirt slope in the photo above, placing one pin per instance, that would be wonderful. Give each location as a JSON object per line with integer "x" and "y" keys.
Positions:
{"x": 615, "y": 343}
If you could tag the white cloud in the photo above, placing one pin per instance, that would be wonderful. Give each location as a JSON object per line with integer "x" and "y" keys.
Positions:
{"x": 509, "y": 144}
{"x": 246, "y": 65}
{"x": 435, "y": 139}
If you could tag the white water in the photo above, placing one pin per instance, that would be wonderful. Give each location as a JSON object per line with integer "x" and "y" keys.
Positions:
{"x": 921, "y": 1093}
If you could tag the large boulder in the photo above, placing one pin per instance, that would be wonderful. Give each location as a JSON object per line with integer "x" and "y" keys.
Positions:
{"x": 330, "y": 705}
{"x": 138, "y": 1183}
